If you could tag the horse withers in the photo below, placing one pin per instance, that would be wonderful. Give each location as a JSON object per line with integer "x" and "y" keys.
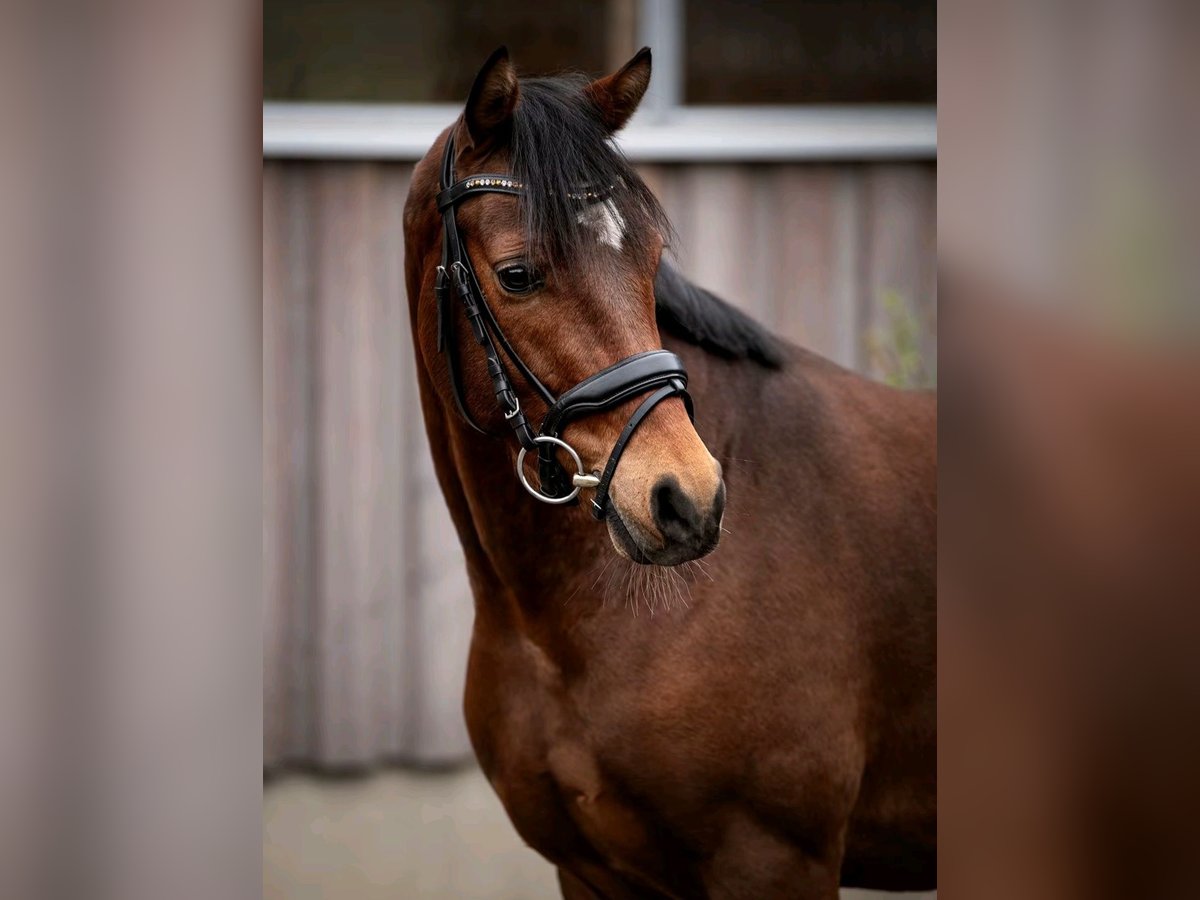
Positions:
{"x": 772, "y": 733}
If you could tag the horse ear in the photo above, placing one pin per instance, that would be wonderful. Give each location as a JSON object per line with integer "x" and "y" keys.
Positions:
{"x": 492, "y": 99}
{"x": 617, "y": 96}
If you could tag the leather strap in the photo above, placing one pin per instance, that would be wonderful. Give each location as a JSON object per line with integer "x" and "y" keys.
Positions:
{"x": 600, "y": 501}
{"x": 456, "y": 277}
{"x": 605, "y": 390}
{"x": 613, "y": 386}
{"x": 477, "y": 184}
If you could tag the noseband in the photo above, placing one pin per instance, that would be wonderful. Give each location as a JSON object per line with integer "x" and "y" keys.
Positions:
{"x": 658, "y": 373}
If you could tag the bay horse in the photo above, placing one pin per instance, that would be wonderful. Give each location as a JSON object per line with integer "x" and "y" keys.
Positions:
{"x": 770, "y": 731}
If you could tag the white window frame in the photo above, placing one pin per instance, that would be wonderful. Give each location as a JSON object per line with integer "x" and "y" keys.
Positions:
{"x": 663, "y": 130}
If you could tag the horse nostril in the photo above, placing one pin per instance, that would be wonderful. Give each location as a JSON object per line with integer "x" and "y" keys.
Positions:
{"x": 678, "y": 519}
{"x": 718, "y": 507}
{"x": 674, "y": 512}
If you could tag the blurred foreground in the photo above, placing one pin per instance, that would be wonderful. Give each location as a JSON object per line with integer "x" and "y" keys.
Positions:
{"x": 403, "y": 834}
{"x": 1069, "y": 490}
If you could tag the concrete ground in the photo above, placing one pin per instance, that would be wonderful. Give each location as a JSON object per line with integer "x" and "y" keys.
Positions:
{"x": 398, "y": 835}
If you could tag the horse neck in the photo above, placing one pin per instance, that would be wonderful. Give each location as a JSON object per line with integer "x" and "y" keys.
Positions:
{"x": 524, "y": 557}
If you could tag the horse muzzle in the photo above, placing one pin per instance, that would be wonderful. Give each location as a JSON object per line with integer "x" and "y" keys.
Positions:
{"x": 678, "y": 529}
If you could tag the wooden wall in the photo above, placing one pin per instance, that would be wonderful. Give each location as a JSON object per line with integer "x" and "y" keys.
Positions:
{"x": 810, "y": 250}
{"x": 367, "y": 613}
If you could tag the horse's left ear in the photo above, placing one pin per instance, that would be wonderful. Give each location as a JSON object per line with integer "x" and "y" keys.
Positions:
{"x": 492, "y": 100}
{"x": 617, "y": 96}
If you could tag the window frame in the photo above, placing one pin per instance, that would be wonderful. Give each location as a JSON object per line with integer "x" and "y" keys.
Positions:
{"x": 663, "y": 130}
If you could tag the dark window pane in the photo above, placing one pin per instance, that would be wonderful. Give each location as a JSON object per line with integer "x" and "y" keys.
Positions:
{"x": 419, "y": 50}
{"x": 838, "y": 51}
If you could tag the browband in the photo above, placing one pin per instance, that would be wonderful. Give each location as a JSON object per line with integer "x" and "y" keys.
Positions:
{"x": 658, "y": 372}
{"x": 478, "y": 184}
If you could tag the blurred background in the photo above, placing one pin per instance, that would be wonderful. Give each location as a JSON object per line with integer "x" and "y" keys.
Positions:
{"x": 793, "y": 145}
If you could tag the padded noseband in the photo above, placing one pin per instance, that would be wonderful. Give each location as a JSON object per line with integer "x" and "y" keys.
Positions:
{"x": 658, "y": 373}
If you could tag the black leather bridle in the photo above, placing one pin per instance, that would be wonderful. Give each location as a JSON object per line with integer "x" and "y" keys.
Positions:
{"x": 658, "y": 373}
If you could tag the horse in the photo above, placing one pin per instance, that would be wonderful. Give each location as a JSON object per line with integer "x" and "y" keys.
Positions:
{"x": 666, "y": 706}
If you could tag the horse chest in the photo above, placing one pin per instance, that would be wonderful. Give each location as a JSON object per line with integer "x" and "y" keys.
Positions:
{"x": 563, "y": 805}
{"x": 552, "y": 776}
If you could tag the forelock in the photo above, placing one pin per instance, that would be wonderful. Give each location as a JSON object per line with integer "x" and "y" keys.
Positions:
{"x": 558, "y": 148}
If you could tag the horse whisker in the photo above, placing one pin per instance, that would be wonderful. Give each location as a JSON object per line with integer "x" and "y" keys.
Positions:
{"x": 602, "y": 571}
{"x": 704, "y": 569}
{"x": 686, "y": 587}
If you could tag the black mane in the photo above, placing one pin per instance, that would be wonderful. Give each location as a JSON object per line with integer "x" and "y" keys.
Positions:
{"x": 704, "y": 319}
{"x": 558, "y": 144}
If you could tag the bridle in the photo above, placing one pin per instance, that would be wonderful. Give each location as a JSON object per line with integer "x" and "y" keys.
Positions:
{"x": 659, "y": 373}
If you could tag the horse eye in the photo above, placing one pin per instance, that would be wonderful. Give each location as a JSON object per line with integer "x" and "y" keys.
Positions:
{"x": 518, "y": 278}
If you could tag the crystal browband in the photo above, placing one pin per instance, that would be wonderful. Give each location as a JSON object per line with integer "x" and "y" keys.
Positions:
{"x": 513, "y": 184}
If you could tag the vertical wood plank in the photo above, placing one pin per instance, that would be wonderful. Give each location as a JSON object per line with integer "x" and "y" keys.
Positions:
{"x": 717, "y": 232}
{"x": 274, "y": 465}
{"x": 441, "y": 613}
{"x": 803, "y": 253}
{"x": 846, "y": 287}
{"x": 762, "y": 292}
{"x": 394, "y": 539}
{"x": 288, "y": 317}
{"x": 348, "y": 447}
{"x": 901, "y": 255}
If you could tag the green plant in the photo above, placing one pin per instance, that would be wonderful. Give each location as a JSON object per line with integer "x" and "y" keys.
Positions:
{"x": 895, "y": 345}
